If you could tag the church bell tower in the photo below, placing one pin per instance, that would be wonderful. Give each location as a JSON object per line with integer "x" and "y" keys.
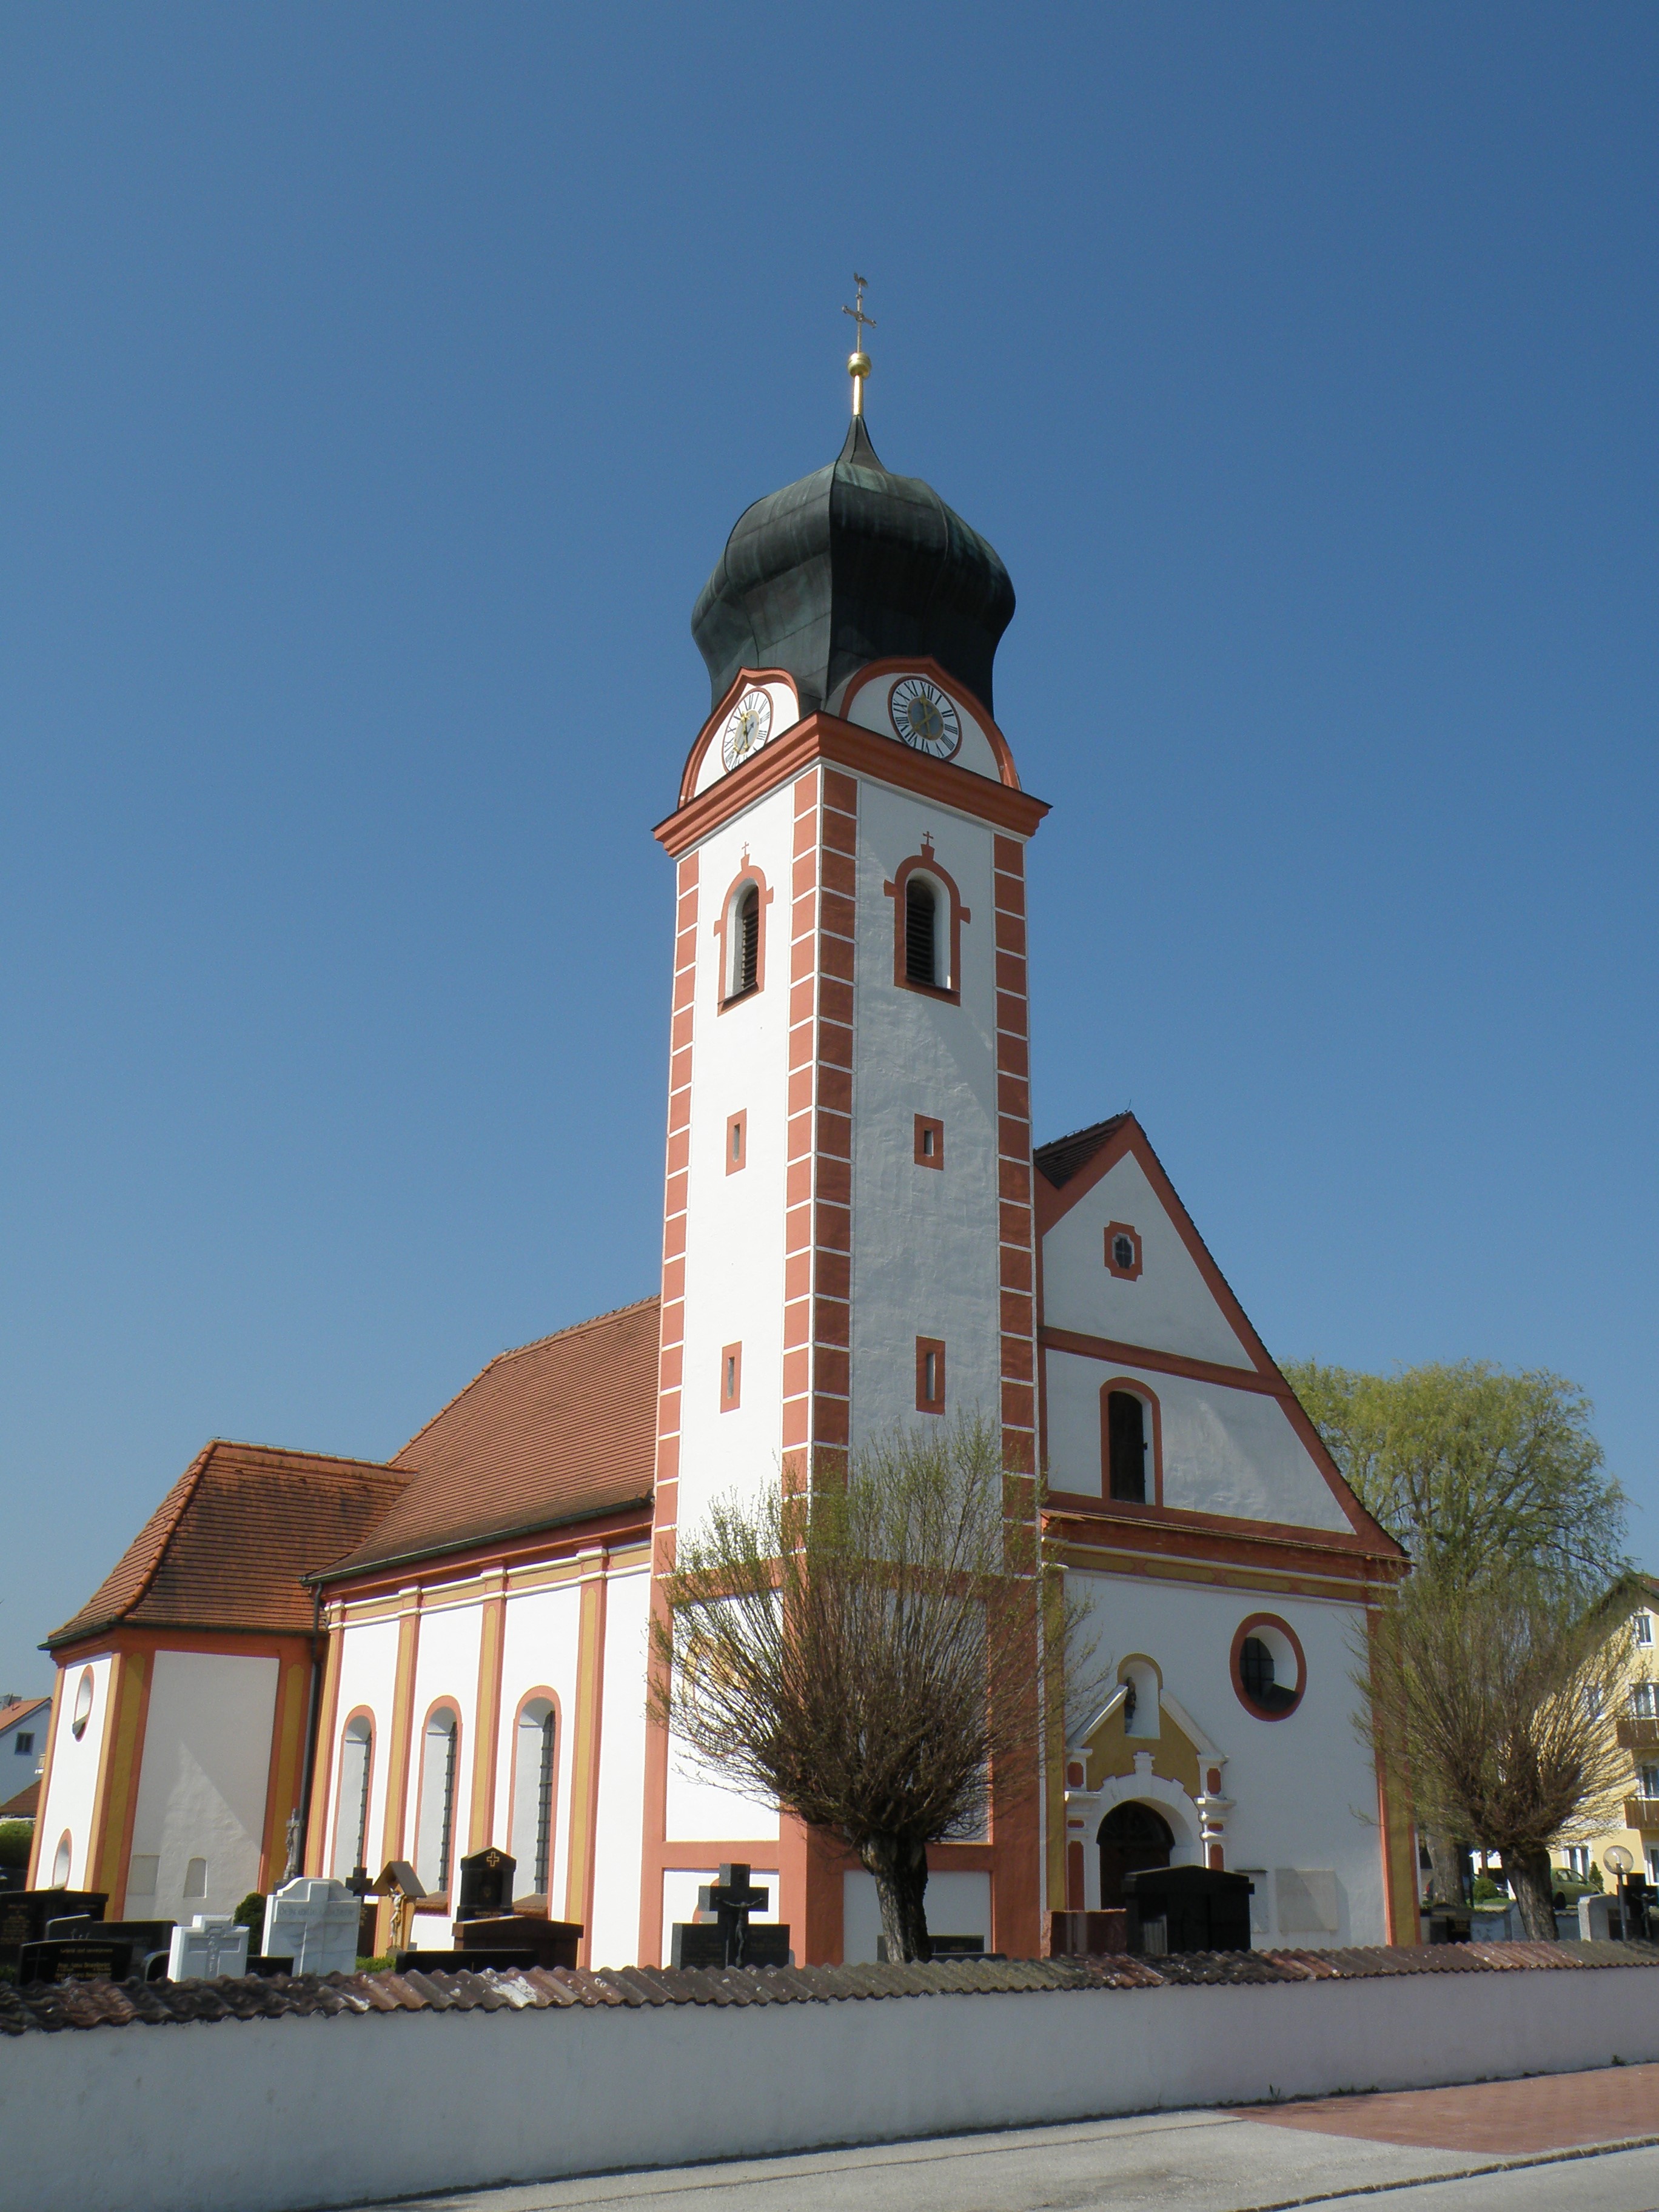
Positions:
{"x": 847, "y": 1213}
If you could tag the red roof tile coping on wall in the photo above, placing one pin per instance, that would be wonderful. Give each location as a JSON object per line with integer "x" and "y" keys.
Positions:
{"x": 51, "y": 2007}
{"x": 561, "y": 1430}
{"x": 227, "y": 1547}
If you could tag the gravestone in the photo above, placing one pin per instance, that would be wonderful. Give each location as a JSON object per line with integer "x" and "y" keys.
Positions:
{"x": 24, "y": 1914}
{"x": 721, "y": 1935}
{"x": 151, "y": 1939}
{"x": 1186, "y": 1908}
{"x": 212, "y": 1945}
{"x": 313, "y": 1920}
{"x": 1598, "y": 1917}
{"x": 486, "y": 1886}
{"x": 549, "y": 1942}
{"x": 75, "y": 1959}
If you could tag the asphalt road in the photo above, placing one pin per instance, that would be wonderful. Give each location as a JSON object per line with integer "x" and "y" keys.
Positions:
{"x": 1190, "y": 2161}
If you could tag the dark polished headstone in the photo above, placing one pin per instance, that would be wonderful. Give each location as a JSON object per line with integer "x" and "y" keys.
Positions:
{"x": 722, "y": 1934}
{"x": 75, "y": 1959}
{"x": 1186, "y": 1908}
{"x": 486, "y": 1884}
{"x": 24, "y": 1914}
{"x": 553, "y": 1942}
{"x": 458, "y": 1962}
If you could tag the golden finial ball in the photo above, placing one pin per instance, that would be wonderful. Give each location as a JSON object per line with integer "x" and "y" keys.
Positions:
{"x": 858, "y": 364}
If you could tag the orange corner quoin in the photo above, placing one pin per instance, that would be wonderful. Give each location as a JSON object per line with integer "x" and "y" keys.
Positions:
{"x": 453, "y": 1650}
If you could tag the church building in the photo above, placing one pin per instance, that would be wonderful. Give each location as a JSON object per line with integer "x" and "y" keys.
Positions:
{"x": 321, "y": 1665}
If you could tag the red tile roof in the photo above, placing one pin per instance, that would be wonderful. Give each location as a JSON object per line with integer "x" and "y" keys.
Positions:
{"x": 1060, "y": 1160}
{"x": 558, "y": 1430}
{"x": 25, "y": 1805}
{"x": 228, "y": 1544}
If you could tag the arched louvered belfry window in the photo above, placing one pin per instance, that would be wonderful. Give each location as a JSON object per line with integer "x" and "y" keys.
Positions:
{"x": 745, "y": 965}
{"x": 920, "y": 931}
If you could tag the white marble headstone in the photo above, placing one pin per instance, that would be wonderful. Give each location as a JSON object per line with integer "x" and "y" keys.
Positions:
{"x": 314, "y": 1922}
{"x": 213, "y": 1944}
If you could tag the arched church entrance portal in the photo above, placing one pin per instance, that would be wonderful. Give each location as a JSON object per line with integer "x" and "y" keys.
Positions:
{"x": 1132, "y": 1836}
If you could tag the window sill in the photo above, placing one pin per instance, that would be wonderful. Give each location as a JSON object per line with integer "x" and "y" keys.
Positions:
{"x": 738, "y": 998}
{"x": 930, "y": 990}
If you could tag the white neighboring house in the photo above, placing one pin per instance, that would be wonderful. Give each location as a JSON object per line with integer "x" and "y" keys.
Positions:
{"x": 23, "y": 1722}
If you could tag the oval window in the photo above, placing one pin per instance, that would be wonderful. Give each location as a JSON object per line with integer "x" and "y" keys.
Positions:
{"x": 60, "y": 1863}
{"x": 1269, "y": 1668}
{"x": 82, "y": 1713}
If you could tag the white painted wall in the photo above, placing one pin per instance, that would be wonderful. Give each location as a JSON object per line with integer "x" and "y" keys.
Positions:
{"x": 268, "y": 2115}
{"x": 202, "y": 1785}
{"x": 446, "y": 1667}
{"x": 620, "y": 1826}
{"x": 368, "y": 1668}
{"x": 735, "y": 1223}
{"x": 1169, "y": 1307}
{"x": 540, "y": 1639}
{"x": 73, "y": 1787}
{"x": 1224, "y": 1450}
{"x": 924, "y": 1240}
{"x": 1303, "y": 1788}
{"x": 957, "y": 1905}
{"x": 869, "y": 711}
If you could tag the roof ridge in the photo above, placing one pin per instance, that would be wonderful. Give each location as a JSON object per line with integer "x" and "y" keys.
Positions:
{"x": 1098, "y": 1130}
{"x": 324, "y": 1459}
{"x": 516, "y": 1351}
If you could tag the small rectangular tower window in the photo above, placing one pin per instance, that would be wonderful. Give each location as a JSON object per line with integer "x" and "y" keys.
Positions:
{"x": 731, "y": 1377}
{"x": 930, "y": 1374}
{"x": 737, "y": 1142}
{"x": 930, "y": 1142}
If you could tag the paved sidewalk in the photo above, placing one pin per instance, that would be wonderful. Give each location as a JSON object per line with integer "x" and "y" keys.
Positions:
{"x": 1494, "y": 2147}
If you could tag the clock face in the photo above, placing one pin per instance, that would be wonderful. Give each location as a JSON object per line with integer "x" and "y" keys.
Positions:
{"x": 748, "y": 726}
{"x": 925, "y": 717}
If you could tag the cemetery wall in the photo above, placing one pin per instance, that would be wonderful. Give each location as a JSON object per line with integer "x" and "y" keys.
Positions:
{"x": 294, "y": 2113}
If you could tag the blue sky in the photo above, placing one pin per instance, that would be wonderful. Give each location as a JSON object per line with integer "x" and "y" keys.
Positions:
{"x": 379, "y": 384}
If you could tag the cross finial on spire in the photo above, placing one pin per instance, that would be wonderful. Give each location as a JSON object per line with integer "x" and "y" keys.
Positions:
{"x": 858, "y": 365}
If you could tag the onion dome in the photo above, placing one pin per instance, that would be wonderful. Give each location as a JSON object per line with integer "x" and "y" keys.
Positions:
{"x": 852, "y": 564}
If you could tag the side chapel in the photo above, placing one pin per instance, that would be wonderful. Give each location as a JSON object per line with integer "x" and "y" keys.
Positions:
{"x": 312, "y": 1664}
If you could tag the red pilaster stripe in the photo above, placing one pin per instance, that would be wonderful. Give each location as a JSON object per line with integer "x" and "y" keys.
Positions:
{"x": 1016, "y": 1248}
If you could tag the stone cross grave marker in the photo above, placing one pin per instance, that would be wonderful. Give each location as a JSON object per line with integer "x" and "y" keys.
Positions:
{"x": 721, "y": 1935}
{"x": 213, "y": 1944}
{"x": 314, "y": 1922}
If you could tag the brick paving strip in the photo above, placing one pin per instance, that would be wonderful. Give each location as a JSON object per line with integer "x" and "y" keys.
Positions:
{"x": 1546, "y": 2112}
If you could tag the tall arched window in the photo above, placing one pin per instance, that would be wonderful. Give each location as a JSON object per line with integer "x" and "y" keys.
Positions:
{"x": 1125, "y": 1441}
{"x": 745, "y": 952}
{"x": 532, "y": 1842}
{"x": 356, "y": 1769}
{"x": 921, "y": 931}
{"x": 434, "y": 1827}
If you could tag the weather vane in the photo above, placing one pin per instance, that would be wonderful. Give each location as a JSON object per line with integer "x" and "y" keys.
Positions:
{"x": 858, "y": 364}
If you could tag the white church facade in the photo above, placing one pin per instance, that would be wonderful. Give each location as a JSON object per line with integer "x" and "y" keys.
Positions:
{"x": 450, "y": 1650}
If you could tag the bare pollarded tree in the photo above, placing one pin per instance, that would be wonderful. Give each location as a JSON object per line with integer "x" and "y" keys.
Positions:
{"x": 1497, "y": 1698}
{"x": 873, "y": 1652}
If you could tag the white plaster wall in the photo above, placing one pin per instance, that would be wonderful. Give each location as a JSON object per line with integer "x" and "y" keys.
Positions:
{"x": 869, "y": 712}
{"x": 202, "y": 1786}
{"x": 1225, "y": 1451}
{"x": 1169, "y": 1306}
{"x": 735, "y": 1223}
{"x": 73, "y": 1788}
{"x": 446, "y": 1666}
{"x": 539, "y": 1641}
{"x": 1303, "y": 1788}
{"x": 620, "y": 1828}
{"x": 785, "y": 714}
{"x": 268, "y": 2115}
{"x": 368, "y": 1673}
{"x": 701, "y": 1810}
{"x": 958, "y": 1904}
{"x": 924, "y": 1240}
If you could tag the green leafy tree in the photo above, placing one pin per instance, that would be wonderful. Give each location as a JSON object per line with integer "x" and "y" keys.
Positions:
{"x": 1494, "y": 1483}
{"x": 864, "y": 1653}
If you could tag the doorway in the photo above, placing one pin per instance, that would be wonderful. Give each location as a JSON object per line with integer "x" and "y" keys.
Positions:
{"x": 1132, "y": 1836}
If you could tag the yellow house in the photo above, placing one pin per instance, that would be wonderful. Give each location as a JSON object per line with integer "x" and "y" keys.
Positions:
{"x": 1635, "y": 1725}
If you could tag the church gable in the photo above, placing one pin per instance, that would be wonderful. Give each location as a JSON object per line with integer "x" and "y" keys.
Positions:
{"x": 1157, "y": 1393}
